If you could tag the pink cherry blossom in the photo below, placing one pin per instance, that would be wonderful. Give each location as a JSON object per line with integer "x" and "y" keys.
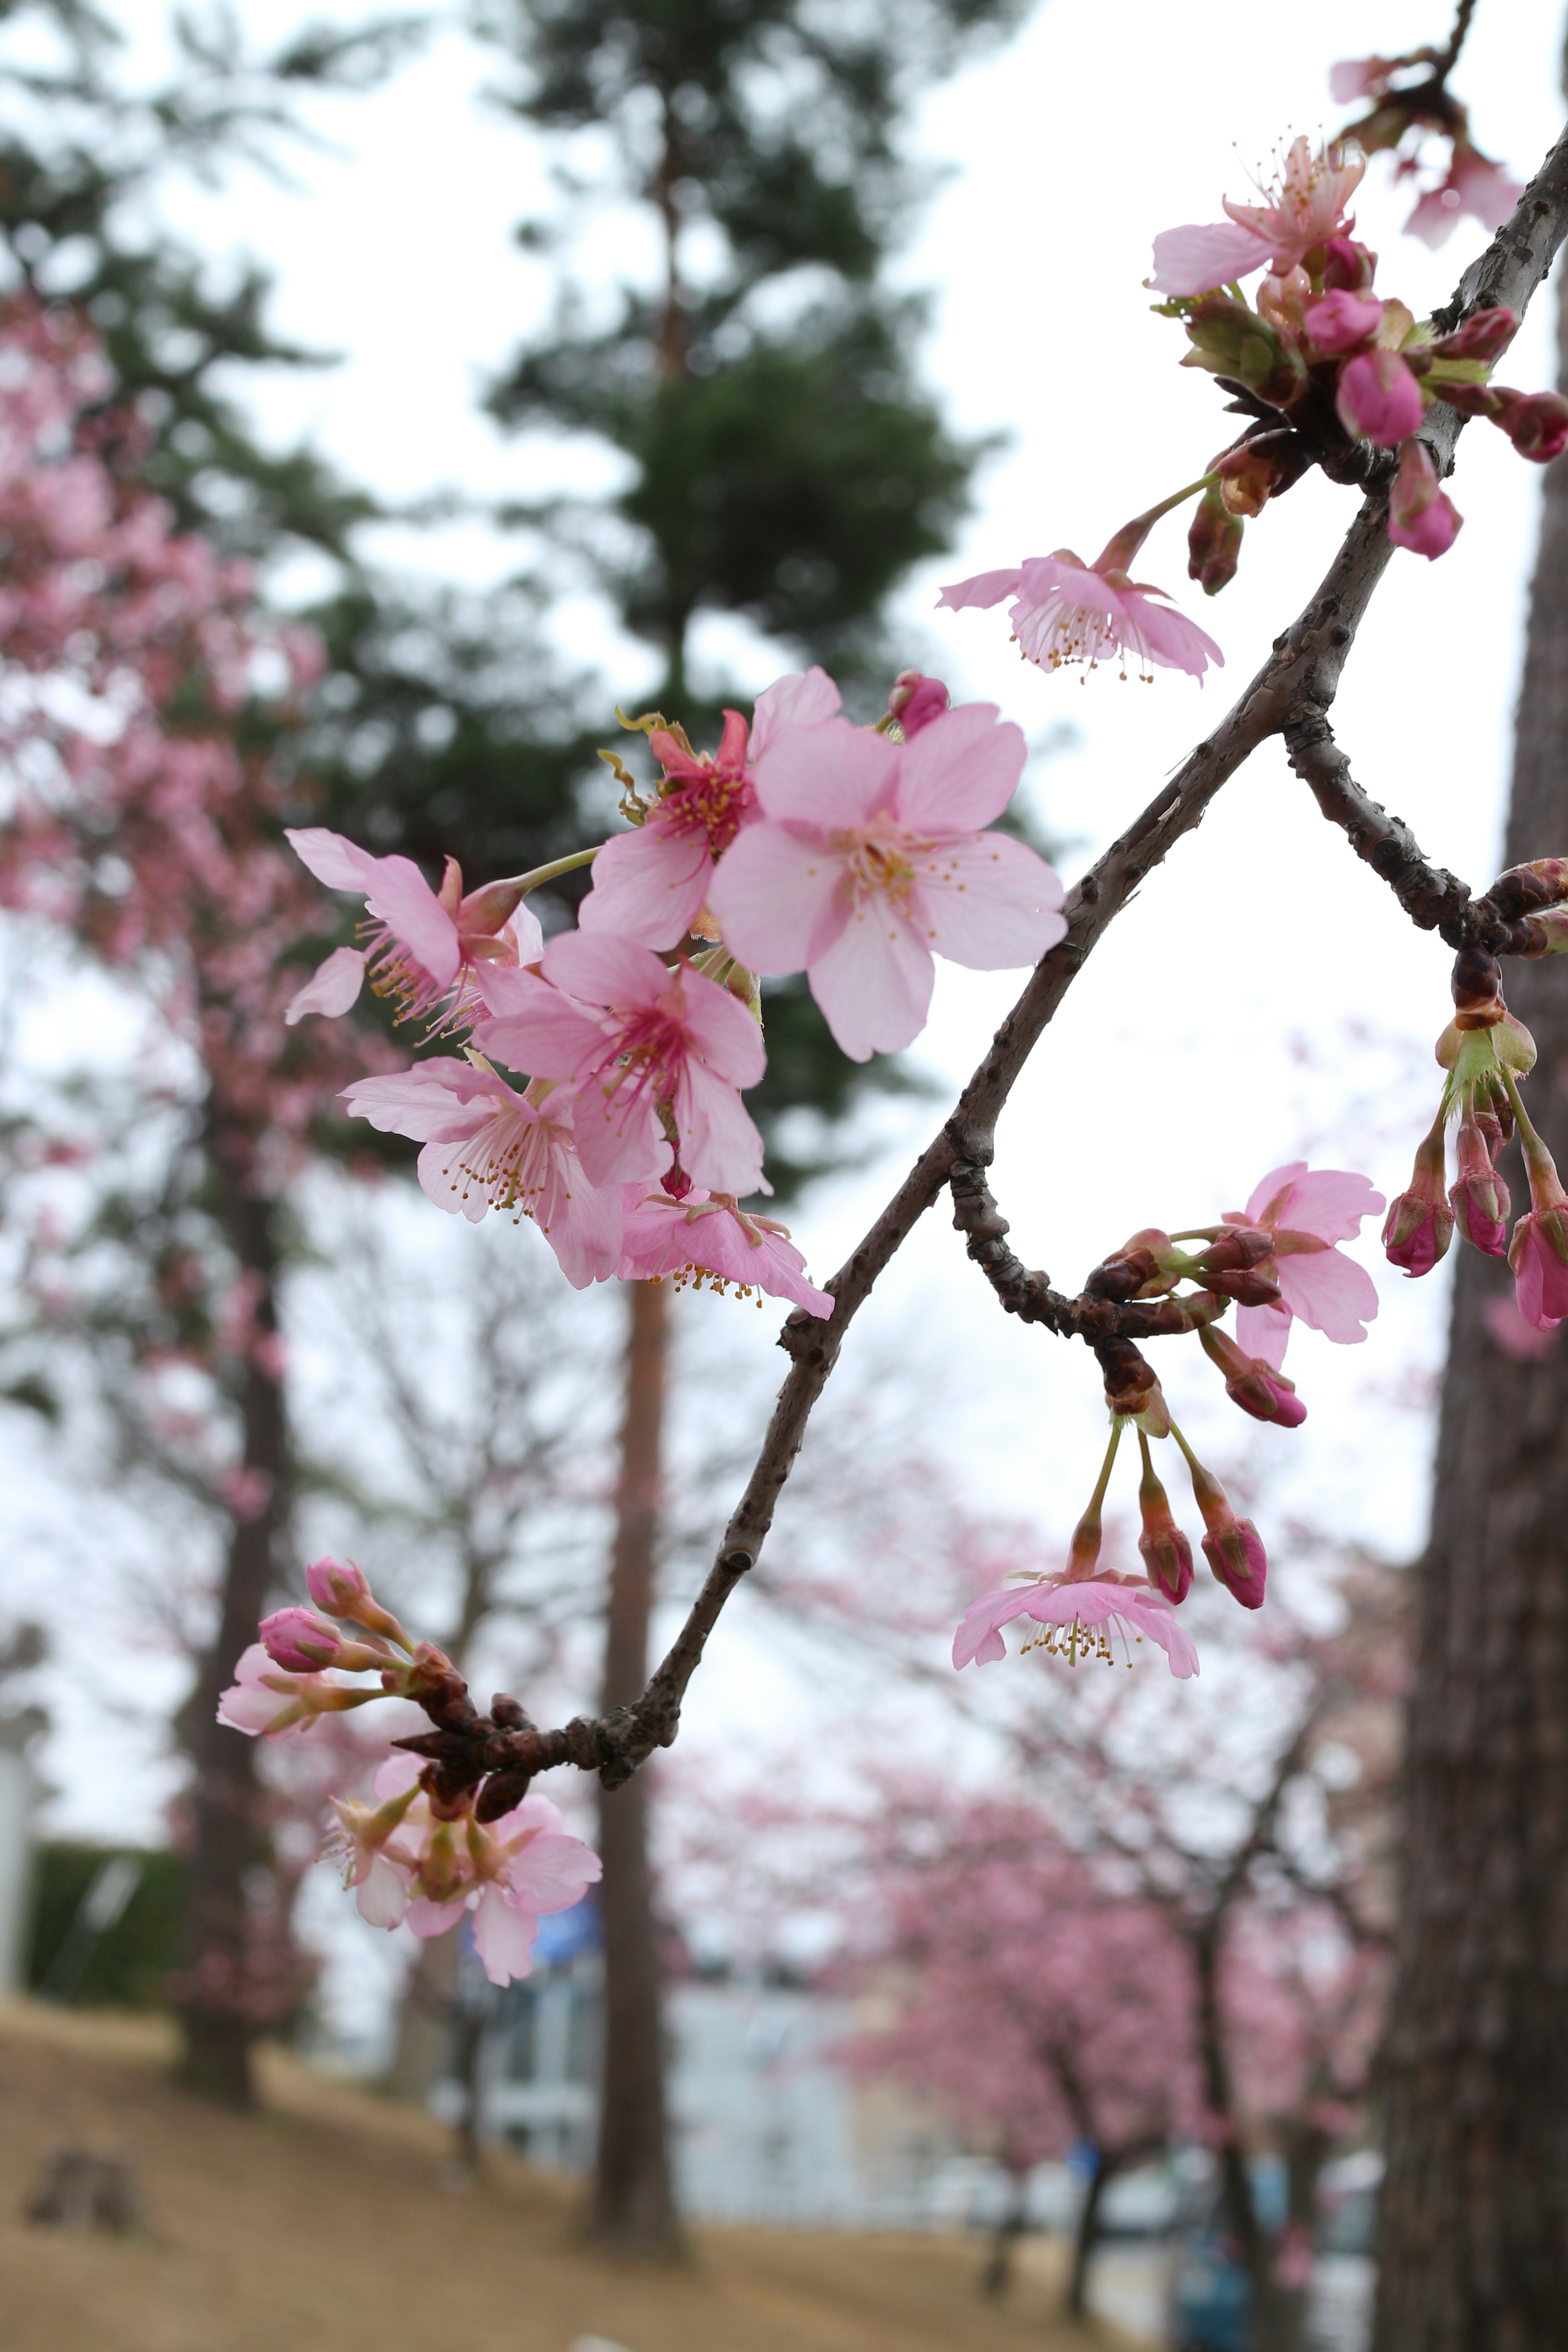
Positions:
{"x": 300, "y": 1641}
{"x": 488, "y": 1147}
{"x": 651, "y": 884}
{"x": 1339, "y": 320}
{"x": 707, "y": 1236}
{"x": 1538, "y": 1254}
{"x": 1475, "y": 185}
{"x": 1305, "y": 208}
{"x": 869, "y": 857}
{"x": 1065, "y": 611}
{"x": 266, "y": 1701}
{"x": 630, "y": 1044}
{"x": 424, "y": 946}
{"x": 1355, "y": 78}
{"x": 1080, "y": 1619}
{"x": 1421, "y": 516}
{"x": 1378, "y": 399}
{"x": 1307, "y": 1213}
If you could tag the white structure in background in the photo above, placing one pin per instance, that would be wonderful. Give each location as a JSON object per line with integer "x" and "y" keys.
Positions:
{"x": 767, "y": 2124}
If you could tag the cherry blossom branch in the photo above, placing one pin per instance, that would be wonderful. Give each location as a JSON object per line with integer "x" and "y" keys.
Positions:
{"x": 1292, "y": 690}
{"x": 1435, "y": 899}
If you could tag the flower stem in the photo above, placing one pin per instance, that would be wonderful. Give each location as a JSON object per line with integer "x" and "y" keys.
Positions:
{"x": 1119, "y": 551}
{"x": 539, "y": 875}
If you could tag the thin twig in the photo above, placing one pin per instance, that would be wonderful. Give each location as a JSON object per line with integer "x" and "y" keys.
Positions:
{"x": 1295, "y": 687}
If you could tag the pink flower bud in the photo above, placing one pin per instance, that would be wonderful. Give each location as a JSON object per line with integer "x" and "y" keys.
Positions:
{"x": 1214, "y": 543}
{"x": 1537, "y": 425}
{"x": 1236, "y": 1556}
{"x": 1252, "y": 1384}
{"x": 1420, "y": 1223}
{"x": 300, "y": 1642}
{"x": 1378, "y": 399}
{"x": 1167, "y": 1554}
{"x": 1484, "y": 337}
{"x": 1479, "y": 1199}
{"x": 1420, "y": 517}
{"x": 1538, "y": 1256}
{"x": 337, "y": 1585}
{"x": 916, "y": 701}
{"x": 1342, "y": 322}
{"x": 1348, "y": 268}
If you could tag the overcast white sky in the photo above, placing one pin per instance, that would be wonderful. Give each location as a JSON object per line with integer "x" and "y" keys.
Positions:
{"x": 1263, "y": 997}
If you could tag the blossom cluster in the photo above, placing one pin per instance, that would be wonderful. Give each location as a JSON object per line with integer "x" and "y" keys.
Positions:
{"x": 419, "y": 1856}
{"x": 1485, "y": 1055}
{"x": 1277, "y": 1260}
{"x": 1325, "y": 370}
{"x": 803, "y": 844}
{"x": 1408, "y": 97}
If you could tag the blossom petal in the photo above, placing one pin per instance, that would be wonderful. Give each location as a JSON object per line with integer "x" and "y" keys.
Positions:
{"x": 1172, "y": 641}
{"x": 428, "y": 1918}
{"x": 650, "y": 885}
{"x": 406, "y": 904}
{"x": 553, "y": 1871}
{"x": 959, "y": 772}
{"x": 804, "y": 698}
{"x": 874, "y": 983}
{"x": 503, "y": 1936}
{"x": 1196, "y": 258}
{"x": 619, "y": 1139}
{"x": 1269, "y": 1196}
{"x": 989, "y": 903}
{"x": 1330, "y": 1291}
{"x": 1264, "y": 1332}
{"x": 546, "y": 1033}
{"x": 333, "y": 988}
{"x": 381, "y": 1898}
{"x": 833, "y": 776}
{"x": 779, "y": 898}
{"x": 719, "y": 1145}
{"x": 420, "y": 1102}
{"x": 341, "y": 864}
{"x": 722, "y": 1030}
{"x": 1327, "y": 1202}
{"x": 599, "y": 968}
{"x": 983, "y": 588}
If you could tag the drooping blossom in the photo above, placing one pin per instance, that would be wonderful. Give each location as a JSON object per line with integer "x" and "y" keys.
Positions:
{"x": 1538, "y": 1256}
{"x": 1307, "y": 1212}
{"x": 1480, "y": 1198}
{"x": 1305, "y": 208}
{"x": 486, "y": 1146}
{"x": 651, "y": 884}
{"x": 1067, "y": 611}
{"x": 630, "y": 1047}
{"x": 508, "y": 1872}
{"x": 1473, "y": 184}
{"x": 423, "y": 944}
{"x": 1232, "y": 1545}
{"x": 706, "y": 1238}
{"x": 1259, "y": 1387}
{"x": 1420, "y": 1221}
{"x": 869, "y": 858}
{"x": 1421, "y": 515}
{"x": 1167, "y": 1555}
{"x": 1079, "y": 1618}
{"x": 263, "y": 1700}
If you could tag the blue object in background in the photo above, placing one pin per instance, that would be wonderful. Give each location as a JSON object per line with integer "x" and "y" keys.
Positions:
{"x": 566, "y": 1935}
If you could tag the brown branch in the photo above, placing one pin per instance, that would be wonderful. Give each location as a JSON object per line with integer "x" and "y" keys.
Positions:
{"x": 1298, "y": 680}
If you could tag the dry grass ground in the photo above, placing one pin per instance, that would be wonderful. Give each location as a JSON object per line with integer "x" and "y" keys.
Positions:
{"x": 321, "y": 2225}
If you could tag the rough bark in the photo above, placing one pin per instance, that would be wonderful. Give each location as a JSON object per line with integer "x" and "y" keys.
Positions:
{"x": 1475, "y": 2219}
{"x": 634, "y": 2203}
{"x": 221, "y": 2007}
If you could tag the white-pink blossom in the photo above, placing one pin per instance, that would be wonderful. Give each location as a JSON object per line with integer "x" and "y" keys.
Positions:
{"x": 869, "y": 858}
{"x": 425, "y": 945}
{"x": 628, "y": 1045}
{"x": 1306, "y": 207}
{"x": 1307, "y": 1211}
{"x": 651, "y": 884}
{"x": 1080, "y": 1617}
{"x": 488, "y": 1147}
{"x": 263, "y": 1701}
{"x": 708, "y": 1238}
{"x": 1066, "y": 611}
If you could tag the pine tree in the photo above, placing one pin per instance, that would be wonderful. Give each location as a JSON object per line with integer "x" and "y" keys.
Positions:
{"x": 786, "y": 467}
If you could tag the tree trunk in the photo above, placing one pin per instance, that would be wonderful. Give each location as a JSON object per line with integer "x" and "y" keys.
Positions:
{"x": 1085, "y": 2237}
{"x": 997, "y": 2275}
{"x": 223, "y": 2004}
{"x": 633, "y": 2206}
{"x": 426, "y": 2015}
{"x": 1475, "y": 2070}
